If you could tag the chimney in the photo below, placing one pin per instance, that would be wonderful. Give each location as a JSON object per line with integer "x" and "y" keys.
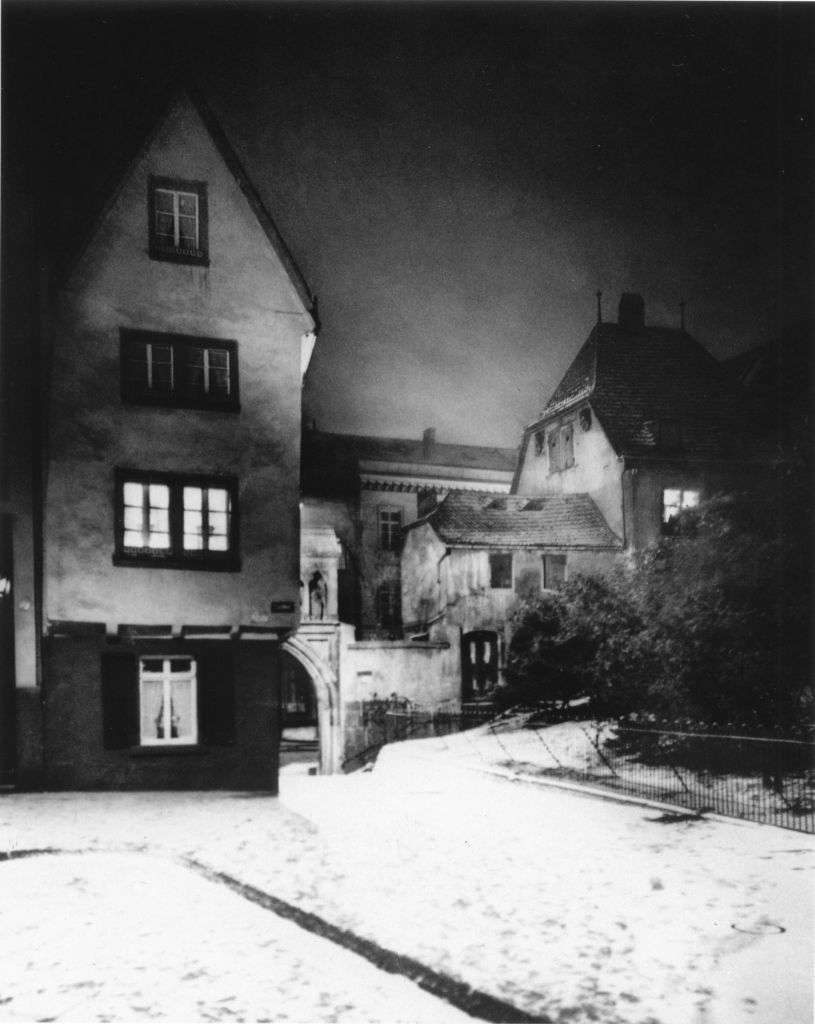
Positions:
{"x": 428, "y": 440}
{"x": 631, "y": 313}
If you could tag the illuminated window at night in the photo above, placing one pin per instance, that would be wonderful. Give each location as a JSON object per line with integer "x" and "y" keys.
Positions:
{"x": 175, "y": 521}
{"x": 178, "y": 370}
{"x": 178, "y": 221}
{"x": 674, "y": 500}
{"x": 167, "y": 701}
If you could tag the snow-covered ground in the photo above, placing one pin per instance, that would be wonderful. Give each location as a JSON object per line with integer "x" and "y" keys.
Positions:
{"x": 565, "y": 906}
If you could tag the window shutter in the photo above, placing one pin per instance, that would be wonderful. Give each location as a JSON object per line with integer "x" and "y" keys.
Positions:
{"x": 120, "y": 700}
{"x": 216, "y": 696}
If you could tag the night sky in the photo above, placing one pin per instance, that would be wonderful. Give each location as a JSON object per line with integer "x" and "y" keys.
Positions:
{"x": 456, "y": 181}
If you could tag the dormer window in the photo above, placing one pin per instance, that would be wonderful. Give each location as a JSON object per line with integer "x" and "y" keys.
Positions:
{"x": 178, "y": 221}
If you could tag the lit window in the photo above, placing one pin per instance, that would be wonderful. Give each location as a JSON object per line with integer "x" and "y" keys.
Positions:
{"x": 554, "y": 571}
{"x": 167, "y": 701}
{"x": 674, "y": 501}
{"x": 178, "y": 370}
{"x": 175, "y": 521}
{"x": 501, "y": 571}
{"x": 390, "y": 528}
{"x": 178, "y": 220}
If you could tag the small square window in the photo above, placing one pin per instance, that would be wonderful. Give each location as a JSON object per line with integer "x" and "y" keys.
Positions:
{"x": 501, "y": 570}
{"x": 172, "y": 521}
{"x": 178, "y": 221}
{"x": 560, "y": 445}
{"x": 167, "y": 701}
{"x": 390, "y": 528}
{"x": 554, "y": 571}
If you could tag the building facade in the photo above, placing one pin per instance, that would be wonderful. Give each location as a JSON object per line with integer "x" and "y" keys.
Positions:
{"x": 170, "y": 552}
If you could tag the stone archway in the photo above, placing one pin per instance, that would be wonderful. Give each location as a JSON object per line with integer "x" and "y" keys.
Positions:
{"x": 313, "y": 653}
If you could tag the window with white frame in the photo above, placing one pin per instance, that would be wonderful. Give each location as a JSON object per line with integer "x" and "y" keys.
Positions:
{"x": 390, "y": 528}
{"x": 674, "y": 500}
{"x": 176, "y": 521}
{"x": 178, "y": 220}
{"x": 179, "y": 370}
{"x": 560, "y": 446}
{"x": 167, "y": 701}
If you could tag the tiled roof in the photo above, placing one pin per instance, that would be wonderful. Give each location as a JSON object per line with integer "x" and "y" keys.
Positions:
{"x": 330, "y": 462}
{"x": 512, "y": 521}
{"x": 634, "y": 380}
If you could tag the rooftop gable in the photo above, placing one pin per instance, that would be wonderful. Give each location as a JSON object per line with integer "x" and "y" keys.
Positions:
{"x": 175, "y": 95}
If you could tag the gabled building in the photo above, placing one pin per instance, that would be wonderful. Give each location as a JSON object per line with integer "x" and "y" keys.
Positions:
{"x": 170, "y": 550}
{"x": 366, "y": 490}
{"x": 645, "y": 422}
{"x": 472, "y": 558}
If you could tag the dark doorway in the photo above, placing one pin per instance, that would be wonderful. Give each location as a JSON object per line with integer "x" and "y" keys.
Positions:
{"x": 300, "y": 737}
{"x": 479, "y": 664}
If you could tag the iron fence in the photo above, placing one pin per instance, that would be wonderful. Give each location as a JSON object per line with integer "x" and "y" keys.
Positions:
{"x": 764, "y": 779}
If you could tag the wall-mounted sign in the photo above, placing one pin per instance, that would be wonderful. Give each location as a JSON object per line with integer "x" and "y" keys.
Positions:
{"x": 282, "y": 607}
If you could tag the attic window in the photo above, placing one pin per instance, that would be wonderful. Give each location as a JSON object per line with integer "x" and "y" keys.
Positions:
{"x": 540, "y": 442}
{"x": 497, "y": 504}
{"x": 178, "y": 220}
{"x": 534, "y": 505}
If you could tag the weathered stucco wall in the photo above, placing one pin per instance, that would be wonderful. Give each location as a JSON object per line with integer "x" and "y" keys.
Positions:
{"x": 596, "y": 471}
{"x": 244, "y": 295}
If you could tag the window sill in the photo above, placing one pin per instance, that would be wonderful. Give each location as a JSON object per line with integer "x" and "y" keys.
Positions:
{"x": 168, "y": 750}
{"x": 195, "y": 258}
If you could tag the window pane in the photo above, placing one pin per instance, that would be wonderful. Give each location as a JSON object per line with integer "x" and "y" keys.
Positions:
{"x": 193, "y": 498}
{"x": 152, "y": 709}
{"x": 164, "y": 200}
{"x": 162, "y": 367}
{"x": 187, "y": 233}
{"x": 187, "y": 204}
{"x": 133, "y": 494}
{"x": 159, "y": 520}
{"x": 193, "y": 531}
{"x": 133, "y": 539}
{"x": 181, "y": 664}
{"x": 218, "y": 500}
{"x": 165, "y": 226}
{"x": 218, "y": 358}
{"x": 218, "y": 522}
{"x": 690, "y": 499}
{"x": 159, "y": 496}
{"x": 181, "y": 710}
{"x": 134, "y": 519}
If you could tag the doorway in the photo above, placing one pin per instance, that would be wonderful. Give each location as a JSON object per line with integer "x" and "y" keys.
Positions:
{"x": 299, "y": 722}
{"x": 479, "y": 664}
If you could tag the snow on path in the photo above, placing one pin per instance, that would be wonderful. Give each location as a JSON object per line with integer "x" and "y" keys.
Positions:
{"x": 562, "y": 905}
{"x": 130, "y": 937}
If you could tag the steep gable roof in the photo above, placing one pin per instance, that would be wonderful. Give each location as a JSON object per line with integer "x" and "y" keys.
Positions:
{"x": 633, "y": 380}
{"x": 469, "y": 519}
{"x": 331, "y": 463}
{"x": 145, "y": 136}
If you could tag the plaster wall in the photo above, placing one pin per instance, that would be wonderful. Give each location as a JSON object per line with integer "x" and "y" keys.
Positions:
{"x": 596, "y": 471}
{"x": 244, "y": 295}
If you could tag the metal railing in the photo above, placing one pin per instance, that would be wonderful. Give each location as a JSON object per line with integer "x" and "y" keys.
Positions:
{"x": 764, "y": 779}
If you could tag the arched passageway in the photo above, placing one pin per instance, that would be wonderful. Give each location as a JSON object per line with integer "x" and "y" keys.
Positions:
{"x": 314, "y": 704}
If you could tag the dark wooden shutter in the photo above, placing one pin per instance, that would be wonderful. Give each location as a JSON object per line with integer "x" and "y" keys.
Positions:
{"x": 216, "y": 695}
{"x": 120, "y": 700}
